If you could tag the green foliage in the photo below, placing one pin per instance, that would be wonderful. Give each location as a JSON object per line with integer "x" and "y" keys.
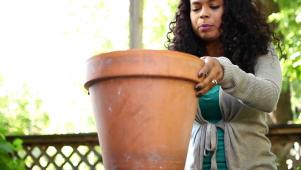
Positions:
{"x": 8, "y": 159}
{"x": 288, "y": 21}
{"x": 21, "y": 114}
{"x": 156, "y": 21}
{"x": 16, "y": 118}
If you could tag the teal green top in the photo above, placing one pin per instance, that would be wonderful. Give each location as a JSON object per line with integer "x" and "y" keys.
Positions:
{"x": 209, "y": 104}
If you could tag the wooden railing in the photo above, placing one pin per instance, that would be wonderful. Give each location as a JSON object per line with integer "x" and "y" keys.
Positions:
{"x": 82, "y": 151}
{"x": 67, "y": 152}
{"x": 286, "y": 141}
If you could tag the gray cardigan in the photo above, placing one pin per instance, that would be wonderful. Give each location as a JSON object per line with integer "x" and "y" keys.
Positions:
{"x": 244, "y": 100}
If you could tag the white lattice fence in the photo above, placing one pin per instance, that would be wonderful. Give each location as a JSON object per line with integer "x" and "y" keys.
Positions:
{"x": 65, "y": 152}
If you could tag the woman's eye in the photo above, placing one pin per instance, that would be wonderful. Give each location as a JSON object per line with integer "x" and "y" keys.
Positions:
{"x": 214, "y": 6}
{"x": 195, "y": 9}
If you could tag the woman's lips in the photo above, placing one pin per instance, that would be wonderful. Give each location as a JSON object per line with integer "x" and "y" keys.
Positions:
{"x": 205, "y": 27}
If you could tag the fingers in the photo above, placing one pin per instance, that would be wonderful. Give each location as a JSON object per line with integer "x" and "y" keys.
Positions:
{"x": 205, "y": 69}
{"x": 207, "y": 83}
{"x": 210, "y": 74}
{"x": 204, "y": 72}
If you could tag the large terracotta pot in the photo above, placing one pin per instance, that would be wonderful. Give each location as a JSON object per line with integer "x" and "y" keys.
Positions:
{"x": 144, "y": 103}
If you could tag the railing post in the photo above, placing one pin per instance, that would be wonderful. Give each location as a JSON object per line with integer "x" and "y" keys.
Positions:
{"x": 136, "y": 23}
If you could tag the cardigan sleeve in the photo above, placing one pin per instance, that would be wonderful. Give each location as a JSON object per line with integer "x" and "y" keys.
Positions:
{"x": 260, "y": 90}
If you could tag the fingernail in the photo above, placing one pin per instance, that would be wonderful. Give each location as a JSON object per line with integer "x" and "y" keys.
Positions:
{"x": 198, "y": 88}
{"x": 201, "y": 75}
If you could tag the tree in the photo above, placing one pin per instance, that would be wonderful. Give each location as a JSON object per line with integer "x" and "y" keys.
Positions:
{"x": 21, "y": 113}
{"x": 287, "y": 21}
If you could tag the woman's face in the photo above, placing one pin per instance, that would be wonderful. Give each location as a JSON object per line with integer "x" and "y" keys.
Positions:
{"x": 206, "y": 18}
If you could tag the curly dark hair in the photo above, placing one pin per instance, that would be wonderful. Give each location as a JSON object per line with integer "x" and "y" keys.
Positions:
{"x": 245, "y": 34}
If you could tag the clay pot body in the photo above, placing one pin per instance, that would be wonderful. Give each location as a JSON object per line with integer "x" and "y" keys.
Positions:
{"x": 144, "y": 103}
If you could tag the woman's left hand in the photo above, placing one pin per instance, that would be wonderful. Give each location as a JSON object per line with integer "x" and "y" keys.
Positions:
{"x": 210, "y": 74}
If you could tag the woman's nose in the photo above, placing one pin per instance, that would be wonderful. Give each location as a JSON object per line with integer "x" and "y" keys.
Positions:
{"x": 204, "y": 13}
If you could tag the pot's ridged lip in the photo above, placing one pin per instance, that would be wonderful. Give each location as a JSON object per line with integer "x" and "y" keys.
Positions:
{"x": 150, "y": 51}
{"x": 142, "y": 62}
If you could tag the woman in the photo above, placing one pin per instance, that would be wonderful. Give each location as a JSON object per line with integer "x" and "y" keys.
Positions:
{"x": 239, "y": 84}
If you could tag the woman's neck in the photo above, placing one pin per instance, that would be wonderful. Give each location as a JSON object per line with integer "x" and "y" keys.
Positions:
{"x": 214, "y": 48}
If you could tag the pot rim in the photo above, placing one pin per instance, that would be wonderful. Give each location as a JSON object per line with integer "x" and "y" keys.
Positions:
{"x": 142, "y": 62}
